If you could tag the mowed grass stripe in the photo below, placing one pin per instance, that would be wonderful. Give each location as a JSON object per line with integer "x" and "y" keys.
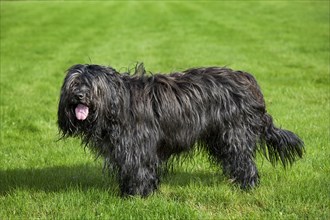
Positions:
{"x": 284, "y": 44}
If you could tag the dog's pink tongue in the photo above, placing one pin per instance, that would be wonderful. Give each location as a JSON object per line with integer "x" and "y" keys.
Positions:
{"x": 81, "y": 112}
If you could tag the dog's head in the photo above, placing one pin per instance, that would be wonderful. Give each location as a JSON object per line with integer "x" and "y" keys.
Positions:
{"x": 85, "y": 95}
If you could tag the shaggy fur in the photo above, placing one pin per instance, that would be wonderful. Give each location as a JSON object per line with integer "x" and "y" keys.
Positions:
{"x": 138, "y": 122}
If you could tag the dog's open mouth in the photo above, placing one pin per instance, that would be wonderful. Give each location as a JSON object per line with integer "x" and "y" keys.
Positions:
{"x": 81, "y": 112}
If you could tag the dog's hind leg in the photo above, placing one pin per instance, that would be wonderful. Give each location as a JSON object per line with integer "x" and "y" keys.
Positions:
{"x": 236, "y": 156}
{"x": 240, "y": 168}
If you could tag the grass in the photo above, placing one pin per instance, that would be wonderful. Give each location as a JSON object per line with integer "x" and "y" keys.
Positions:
{"x": 284, "y": 44}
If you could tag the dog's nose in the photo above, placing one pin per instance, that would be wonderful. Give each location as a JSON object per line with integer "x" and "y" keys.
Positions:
{"x": 80, "y": 96}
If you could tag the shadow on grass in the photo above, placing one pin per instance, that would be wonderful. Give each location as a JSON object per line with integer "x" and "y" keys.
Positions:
{"x": 186, "y": 178}
{"x": 84, "y": 177}
{"x": 54, "y": 179}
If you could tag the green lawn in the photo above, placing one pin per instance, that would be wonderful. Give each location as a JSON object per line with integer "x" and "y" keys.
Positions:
{"x": 284, "y": 44}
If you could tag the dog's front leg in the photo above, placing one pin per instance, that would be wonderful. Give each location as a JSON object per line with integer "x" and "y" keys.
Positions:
{"x": 138, "y": 169}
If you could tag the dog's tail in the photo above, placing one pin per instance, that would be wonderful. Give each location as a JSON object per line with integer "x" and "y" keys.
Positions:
{"x": 279, "y": 144}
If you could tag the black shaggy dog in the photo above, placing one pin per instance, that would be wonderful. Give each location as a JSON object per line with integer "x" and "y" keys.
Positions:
{"x": 138, "y": 122}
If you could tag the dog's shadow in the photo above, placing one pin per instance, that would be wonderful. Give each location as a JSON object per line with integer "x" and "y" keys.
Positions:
{"x": 184, "y": 178}
{"x": 85, "y": 176}
{"x": 52, "y": 179}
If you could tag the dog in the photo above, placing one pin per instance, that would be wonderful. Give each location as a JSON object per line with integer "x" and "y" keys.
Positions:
{"x": 137, "y": 122}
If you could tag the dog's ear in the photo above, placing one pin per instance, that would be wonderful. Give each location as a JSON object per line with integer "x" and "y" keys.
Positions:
{"x": 139, "y": 69}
